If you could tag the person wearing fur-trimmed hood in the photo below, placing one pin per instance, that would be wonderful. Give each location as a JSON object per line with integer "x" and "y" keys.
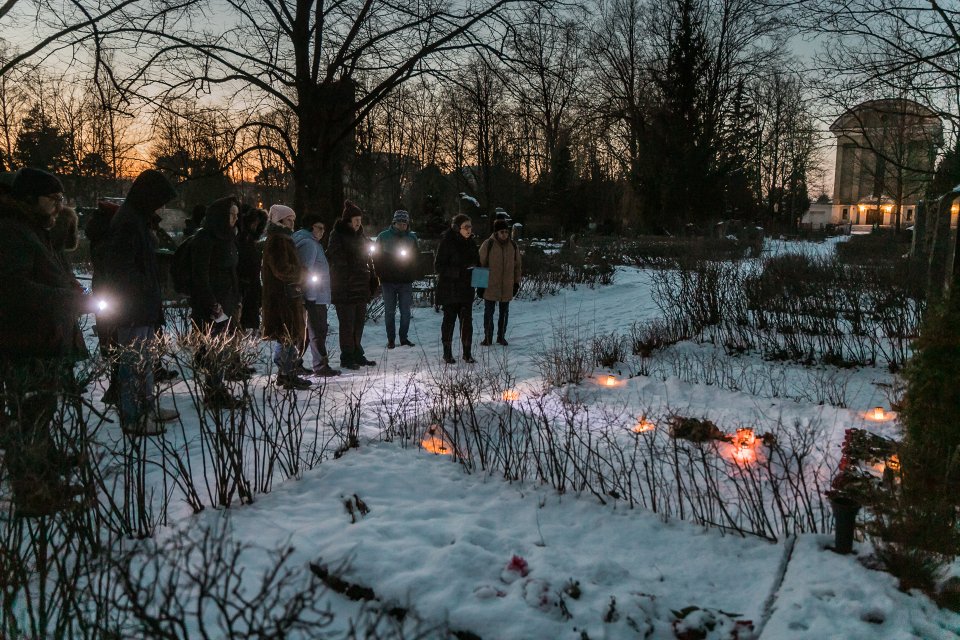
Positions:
{"x": 353, "y": 283}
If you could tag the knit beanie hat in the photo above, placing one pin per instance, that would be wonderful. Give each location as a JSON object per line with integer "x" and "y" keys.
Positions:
{"x": 279, "y": 212}
{"x": 501, "y": 225}
{"x": 33, "y": 183}
{"x": 401, "y": 216}
{"x": 350, "y": 210}
{"x": 149, "y": 191}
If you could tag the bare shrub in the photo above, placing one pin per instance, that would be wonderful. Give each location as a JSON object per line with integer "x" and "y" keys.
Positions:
{"x": 195, "y": 584}
{"x": 609, "y": 349}
{"x": 648, "y": 337}
{"x": 568, "y": 358}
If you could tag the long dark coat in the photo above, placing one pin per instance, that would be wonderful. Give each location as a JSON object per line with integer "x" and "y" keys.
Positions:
{"x": 213, "y": 264}
{"x": 132, "y": 273}
{"x": 40, "y": 300}
{"x": 249, "y": 261}
{"x": 352, "y": 277}
{"x": 455, "y": 256}
{"x": 283, "y": 316}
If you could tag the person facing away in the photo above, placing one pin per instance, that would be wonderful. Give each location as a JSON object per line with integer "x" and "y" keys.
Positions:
{"x": 456, "y": 256}
{"x": 40, "y": 302}
{"x": 353, "y": 283}
{"x": 253, "y": 222}
{"x": 395, "y": 258}
{"x": 316, "y": 291}
{"x": 281, "y": 274}
{"x": 501, "y": 255}
{"x": 97, "y": 231}
{"x": 215, "y": 292}
{"x": 132, "y": 284}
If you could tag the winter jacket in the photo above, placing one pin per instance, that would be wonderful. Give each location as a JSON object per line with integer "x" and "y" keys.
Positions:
{"x": 213, "y": 264}
{"x": 503, "y": 260}
{"x": 352, "y": 277}
{"x": 98, "y": 233}
{"x": 455, "y": 257}
{"x": 250, "y": 249}
{"x": 392, "y": 265}
{"x": 132, "y": 273}
{"x": 282, "y": 314}
{"x": 314, "y": 262}
{"x": 40, "y": 300}
{"x": 249, "y": 261}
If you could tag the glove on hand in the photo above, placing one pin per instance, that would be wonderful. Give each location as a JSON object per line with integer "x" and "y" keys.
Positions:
{"x": 516, "y": 288}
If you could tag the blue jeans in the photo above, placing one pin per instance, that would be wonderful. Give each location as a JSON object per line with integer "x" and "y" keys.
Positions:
{"x": 135, "y": 373}
{"x": 285, "y": 356}
{"x": 392, "y": 293}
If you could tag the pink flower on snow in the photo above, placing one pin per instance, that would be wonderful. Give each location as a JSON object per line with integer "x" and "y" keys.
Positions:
{"x": 516, "y": 568}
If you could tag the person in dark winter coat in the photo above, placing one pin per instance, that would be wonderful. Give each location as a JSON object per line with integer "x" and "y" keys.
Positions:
{"x": 40, "y": 302}
{"x": 456, "y": 255}
{"x": 98, "y": 232}
{"x": 395, "y": 258}
{"x": 316, "y": 291}
{"x": 215, "y": 290}
{"x": 502, "y": 256}
{"x": 253, "y": 223}
{"x": 283, "y": 314}
{"x": 353, "y": 283}
{"x": 132, "y": 282}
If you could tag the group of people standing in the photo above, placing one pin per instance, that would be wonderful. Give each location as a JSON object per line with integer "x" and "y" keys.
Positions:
{"x": 256, "y": 270}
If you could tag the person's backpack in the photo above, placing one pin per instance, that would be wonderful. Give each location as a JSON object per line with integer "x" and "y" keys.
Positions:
{"x": 181, "y": 267}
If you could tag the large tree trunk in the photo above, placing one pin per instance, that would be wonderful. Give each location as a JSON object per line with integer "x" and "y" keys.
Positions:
{"x": 324, "y": 146}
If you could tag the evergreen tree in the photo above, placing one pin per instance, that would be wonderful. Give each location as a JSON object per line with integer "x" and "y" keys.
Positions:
{"x": 40, "y": 143}
{"x": 681, "y": 146}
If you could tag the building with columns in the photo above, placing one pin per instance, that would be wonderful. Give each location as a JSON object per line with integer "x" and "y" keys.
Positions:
{"x": 886, "y": 152}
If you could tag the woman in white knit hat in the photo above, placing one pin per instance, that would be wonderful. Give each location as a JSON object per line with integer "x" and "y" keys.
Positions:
{"x": 283, "y": 315}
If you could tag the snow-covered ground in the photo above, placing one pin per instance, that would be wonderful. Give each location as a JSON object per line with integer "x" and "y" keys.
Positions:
{"x": 511, "y": 560}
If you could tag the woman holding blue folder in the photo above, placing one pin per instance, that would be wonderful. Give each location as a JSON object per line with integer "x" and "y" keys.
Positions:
{"x": 457, "y": 255}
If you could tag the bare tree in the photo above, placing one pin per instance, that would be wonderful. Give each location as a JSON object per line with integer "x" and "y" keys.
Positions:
{"x": 327, "y": 64}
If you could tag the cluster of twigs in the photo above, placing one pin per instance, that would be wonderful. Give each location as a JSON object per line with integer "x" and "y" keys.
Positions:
{"x": 552, "y": 438}
{"x": 796, "y": 307}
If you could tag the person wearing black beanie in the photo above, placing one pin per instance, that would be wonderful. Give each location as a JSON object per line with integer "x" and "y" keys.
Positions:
{"x": 40, "y": 341}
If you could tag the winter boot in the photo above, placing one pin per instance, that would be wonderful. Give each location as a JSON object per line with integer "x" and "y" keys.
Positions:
{"x": 292, "y": 382}
{"x": 448, "y": 353}
{"x": 347, "y": 361}
{"x": 502, "y": 341}
{"x": 362, "y": 359}
{"x": 487, "y": 340}
{"x": 324, "y": 370}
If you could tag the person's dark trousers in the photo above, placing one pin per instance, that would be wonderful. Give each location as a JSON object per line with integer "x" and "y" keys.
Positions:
{"x": 394, "y": 293}
{"x": 451, "y": 314}
{"x": 317, "y": 328}
{"x": 136, "y": 345}
{"x": 107, "y": 336}
{"x": 504, "y": 315}
{"x": 351, "y": 318}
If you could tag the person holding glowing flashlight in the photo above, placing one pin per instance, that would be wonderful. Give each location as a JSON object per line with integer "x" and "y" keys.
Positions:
{"x": 316, "y": 291}
{"x": 395, "y": 258}
{"x": 40, "y": 302}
